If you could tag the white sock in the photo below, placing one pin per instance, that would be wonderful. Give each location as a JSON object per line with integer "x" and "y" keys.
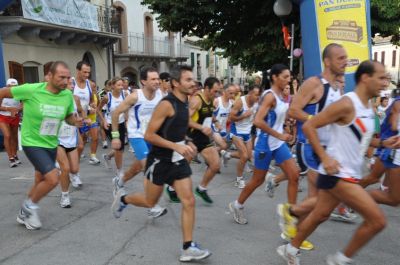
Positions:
{"x": 291, "y": 249}
{"x": 121, "y": 182}
{"x": 72, "y": 175}
{"x": 239, "y": 178}
{"x": 238, "y": 205}
{"x": 201, "y": 188}
{"x": 64, "y": 193}
{"x": 170, "y": 188}
{"x": 342, "y": 257}
{"x": 30, "y": 204}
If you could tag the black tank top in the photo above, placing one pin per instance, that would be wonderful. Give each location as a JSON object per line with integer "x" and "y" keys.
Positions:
{"x": 206, "y": 110}
{"x": 173, "y": 128}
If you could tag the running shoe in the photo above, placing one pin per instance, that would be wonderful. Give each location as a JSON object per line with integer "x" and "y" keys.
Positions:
{"x": 118, "y": 206}
{"x": 173, "y": 197}
{"x": 17, "y": 160}
{"x": 105, "y": 145}
{"x": 225, "y": 157}
{"x": 196, "y": 160}
{"x": 75, "y": 180}
{"x": 107, "y": 161}
{"x": 204, "y": 195}
{"x": 291, "y": 259}
{"x": 338, "y": 259}
{"x": 156, "y": 211}
{"x": 94, "y": 161}
{"x": 194, "y": 252}
{"x": 305, "y": 245}
{"x": 29, "y": 217}
{"x": 270, "y": 185}
{"x": 13, "y": 163}
{"x": 116, "y": 186}
{"x": 241, "y": 184}
{"x": 248, "y": 167}
{"x": 343, "y": 215}
{"x": 287, "y": 222}
{"x": 238, "y": 214}
{"x": 65, "y": 202}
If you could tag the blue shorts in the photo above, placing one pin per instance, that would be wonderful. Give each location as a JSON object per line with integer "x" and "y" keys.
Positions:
{"x": 141, "y": 147}
{"x": 387, "y": 155}
{"x": 244, "y": 136}
{"x": 262, "y": 159}
{"x": 307, "y": 156}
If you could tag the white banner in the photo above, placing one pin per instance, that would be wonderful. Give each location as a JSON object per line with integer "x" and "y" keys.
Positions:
{"x": 71, "y": 13}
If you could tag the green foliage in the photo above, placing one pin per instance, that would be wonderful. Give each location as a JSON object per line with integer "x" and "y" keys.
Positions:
{"x": 248, "y": 30}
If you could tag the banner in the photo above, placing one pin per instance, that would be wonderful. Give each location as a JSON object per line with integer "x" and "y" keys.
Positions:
{"x": 71, "y": 13}
{"x": 344, "y": 22}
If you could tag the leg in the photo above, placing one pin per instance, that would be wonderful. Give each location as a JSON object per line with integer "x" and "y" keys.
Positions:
{"x": 5, "y": 129}
{"x": 81, "y": 145}
{"x": 242, "y": 155}
{"x": 118, "y": 159}
{"x": 14, "y": 140}
{"x": 183, "y": 188}
{"x": 73, "y": 159}
{"x": 211, "y": 156}
{"x": 94, "y": 135}
{"x": 376, "y": 173}
{"x": 147, "y": 199}
{"x": 291, "y": 170}
{"x": 62, "y": 160}
{"x": 256, "y": 180}
{"x": 392, "y": 197}
{"x": 312, "y": 177}
{"x": 221, "y": 144}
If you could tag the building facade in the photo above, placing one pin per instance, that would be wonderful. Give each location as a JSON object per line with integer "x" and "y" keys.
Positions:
{"x": 388, "y": 54}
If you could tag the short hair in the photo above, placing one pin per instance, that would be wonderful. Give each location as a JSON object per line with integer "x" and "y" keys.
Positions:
{"x": 164, "y": 76}
{"x": 144, "y": 72}
{"x": 328, "y": 49}
{"x": 54, "y": 65}
{"x": 81, "y": 63}
{"x": 226, "y": 86}
{"x": 251, "y": 88}
{"x": 115, "y": 80}
{"x": 176, "y": 72}
{"x": 276, "y": 70}
{"x": 384, "y": 98}
{"x": 366, "y": 67}
{"x": 210, "y": 81}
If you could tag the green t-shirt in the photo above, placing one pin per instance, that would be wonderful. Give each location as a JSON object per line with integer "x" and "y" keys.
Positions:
{"x": 43, "y": 112}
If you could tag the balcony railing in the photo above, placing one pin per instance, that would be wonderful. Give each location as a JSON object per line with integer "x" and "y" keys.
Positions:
{"x": 108, "y": 17}
{"x": 140, "y": 45}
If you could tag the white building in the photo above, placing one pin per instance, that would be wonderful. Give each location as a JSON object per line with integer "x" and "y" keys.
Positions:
{"x": 388, "y": 54}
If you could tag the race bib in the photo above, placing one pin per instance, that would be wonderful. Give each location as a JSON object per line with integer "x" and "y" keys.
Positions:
{"x": 143, "y": 125}
{"x": 49, "y": 126}
{"x": 175, "y": 155}
{"x": 66, "y": 130}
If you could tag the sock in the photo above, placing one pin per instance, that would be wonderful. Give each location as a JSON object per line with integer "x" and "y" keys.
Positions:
{"x": 291, "y": 249}
{"x": 238, "y": 205}
{"x": 239, "y": 178}
{"x": 123, "y": 200}
{"x": 186, "y": 245}
{"x": 64, "y": 193}
{"x": 73, "y": 175}
{"x": 170, "y": 188}
{"x": 92, "y": 155}
{"x": 121, "y": 182}
{"x": 201, "y": 188}
{"x": 342, "y": 257}
{"x": 30, "y": 204}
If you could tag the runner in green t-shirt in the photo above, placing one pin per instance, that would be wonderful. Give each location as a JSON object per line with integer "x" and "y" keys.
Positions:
{"x": 45, "y": 105}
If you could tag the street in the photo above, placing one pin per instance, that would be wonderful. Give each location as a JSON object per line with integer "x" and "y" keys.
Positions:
{"x": 87, "y": 233}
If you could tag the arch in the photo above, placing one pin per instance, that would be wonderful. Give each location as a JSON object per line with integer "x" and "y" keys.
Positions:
{"x": 122, "y": 27}
{"x": 88, "y": 57}
{"x": 131, "y": 73}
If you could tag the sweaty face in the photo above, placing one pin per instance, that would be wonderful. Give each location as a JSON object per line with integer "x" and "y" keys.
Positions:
{"x": 337, "y": 61}
{"x": 152, "y": 82}
{"x": 230, "y": 92}
{"x": 282, "y": 80}
{"x": 84, "y": 73}
{"x": 61, "y": 78}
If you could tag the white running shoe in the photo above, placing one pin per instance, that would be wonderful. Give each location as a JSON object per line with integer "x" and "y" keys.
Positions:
{"x": 75, "y": 180}
{"x": 194, "y": 252}
{"x": 65, "y": 202}
{"x": 156, "y": 211}
{"x": 270, "y": 185}
{"x": 291, "y": 259}
{"x": 116, "y": 186}
{"x": 241, "y": 184}
{"x": 248, "y": 167}
{"x": 105, "y": 145}
{"x": 107, "y": 161}
{"x": 29, "y": 217}
{"x": 117, "y": 206}
{"x": 238, "y": 214}
{"x": 94, "y": 161}
{"x": 225, "y": 157}
{"x": 338, "y": 259}
{"x": 343, "y": 215}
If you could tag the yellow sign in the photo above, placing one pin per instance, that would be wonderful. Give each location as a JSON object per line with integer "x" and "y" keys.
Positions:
{"x": 344, "y": 22}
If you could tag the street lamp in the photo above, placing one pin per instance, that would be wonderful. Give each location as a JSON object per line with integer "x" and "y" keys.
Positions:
{"x": 283, "y": 8}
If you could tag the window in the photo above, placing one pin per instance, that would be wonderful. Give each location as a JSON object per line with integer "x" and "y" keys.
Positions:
{"x": 16, "y": 71}
{"x": 31, "y": 74}
{"x": 192, "y": 59}
{"x": 394, "y": 58}
{"x": 383, "y": 58}
{"x": 375, "y": 56}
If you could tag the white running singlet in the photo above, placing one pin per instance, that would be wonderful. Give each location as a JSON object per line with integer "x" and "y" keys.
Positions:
{"x": 112, "y": 104}
{"x": 84, "y": 94}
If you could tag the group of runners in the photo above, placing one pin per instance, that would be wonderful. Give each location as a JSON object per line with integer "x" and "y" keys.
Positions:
{"x": 170, "y": 119}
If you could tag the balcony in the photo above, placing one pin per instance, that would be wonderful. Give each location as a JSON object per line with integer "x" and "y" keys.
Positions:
{"x": 104, "y": 31}
{"x": 152, "y": 48}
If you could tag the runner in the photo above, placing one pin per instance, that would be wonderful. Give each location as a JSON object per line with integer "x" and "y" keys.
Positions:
{"x": 242, "y": 116}
{"x": 352, "y": 125}
{"x": 45, "y": 106}
{"x": 140, "y": 105}
{"x": 9, "y": 121}
{"x": 165, "y": 84}
{"x": 166, "y": 162}
{"x": 201, "y": 108}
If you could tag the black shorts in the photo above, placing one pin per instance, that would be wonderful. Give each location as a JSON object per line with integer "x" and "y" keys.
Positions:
{"x": 122, "y": 131}
{"x": 163, "y": 171}
{"x": 42, "y": 159}
{"x": 326, "y": 182}
{"x": 200, "y": 140}
{"x": 300, "y": 161}
{"x": 67, "y": 149}
{"x": 253, "y": 130}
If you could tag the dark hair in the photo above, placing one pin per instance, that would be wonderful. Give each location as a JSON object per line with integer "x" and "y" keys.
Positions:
{"x": 176, "y": 72}
{"x": 80, "y": 63}
{"x": 210, "y": 81}
{"x": 226, "y": 86}
{"x": 164, "y": 76}
{"x": 144, "y": 72}
{"x": 276, "y": 70}
{"x": 54, "y": 65}
{"x": 105, "y": 82}
{"x": 251, "y": 88}
{"x": 366, "y": 67}
{"x": 327, "y": 50}
{"x": 384, "y": 98}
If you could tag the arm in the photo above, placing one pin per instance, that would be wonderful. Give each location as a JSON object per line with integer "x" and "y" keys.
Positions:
{"x": 394, "y": 116}
{"x": 99, "y": 107}
{"x": 194, "y": 105}
{"x": 267, "y": 103}
{"x": 237, "y": 106}
{"x": 123, "y": 107}
{"x": 305, "y": 95}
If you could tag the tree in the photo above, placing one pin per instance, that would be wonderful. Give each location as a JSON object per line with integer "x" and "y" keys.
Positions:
{"x": 248, "y": 31}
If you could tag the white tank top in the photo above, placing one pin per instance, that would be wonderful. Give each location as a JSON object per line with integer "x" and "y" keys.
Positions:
{"x": 84, "y": 94}
{"x": 222, "y": 113}
{"x": 276, "y": 119}
{"x": 10, "y": 103}
{"x": 139, "y": 114}
{"x": 349, "y": 143}
{"x": 67, "y": 134}
{"x": 332, "y": 96}
{"x": 112, "y": 104}
{"x": 244, "y": 126}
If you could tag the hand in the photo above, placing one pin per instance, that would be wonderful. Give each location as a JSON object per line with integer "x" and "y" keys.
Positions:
{"x": 185, "y": 150}
{"x": 13, "y": 111}
{"x": 330, "y": 165}
{"x": 248, "y": 113}
{"x": 392, "y": 142}
{"x": 116, "y": 144}
{"x": 285, "y": 137}
{"x": 106, "y": 125}
{"x": 207, "y": 131}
